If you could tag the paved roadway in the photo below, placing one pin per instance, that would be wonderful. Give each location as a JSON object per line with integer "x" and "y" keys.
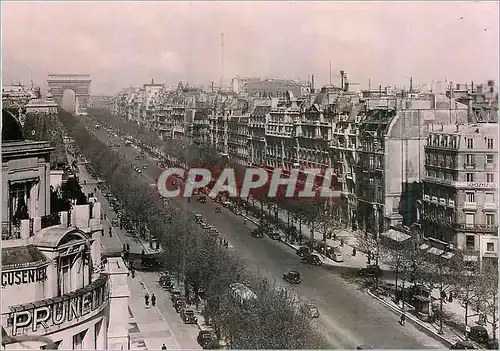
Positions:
{"x": 349, "y": 316}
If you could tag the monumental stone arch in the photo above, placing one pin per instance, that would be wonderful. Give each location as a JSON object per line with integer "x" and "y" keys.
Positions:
{"x": 79, "y": 83}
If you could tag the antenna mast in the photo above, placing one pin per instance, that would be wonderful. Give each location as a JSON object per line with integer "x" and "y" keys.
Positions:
{"x": 222, "y": 59}
{"x": 330, "y": 72}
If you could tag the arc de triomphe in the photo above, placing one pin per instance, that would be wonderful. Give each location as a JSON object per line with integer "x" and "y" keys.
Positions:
{"x": 79, "y": 83}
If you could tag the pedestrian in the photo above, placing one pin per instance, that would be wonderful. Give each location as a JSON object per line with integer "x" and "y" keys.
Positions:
{"x": 110, "y": 233}
{"x": 402, "y": 319}
{"x": 163, "y": 347}
{"x": 341, "y": 242}
{"x": 104, "y": 215}
{"x": 84, "y": 182}
{"x": 132, "y": 272}
{"x": 146, "y": 300}
{"x": 443, "y": 296}
{"x": 95, "y": 190}
{"x": 128, "y": 247}
{"x": 450, "y": 298}
{"x": 153, "y": 300}
{"x": 124, "y": 248}
{"x": 353, "y": 251}
{"x": 143, "y": 253}
{"x": 102, "y": 232}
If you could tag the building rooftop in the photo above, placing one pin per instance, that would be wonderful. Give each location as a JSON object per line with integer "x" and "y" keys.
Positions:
{"x": 22, "y": 256}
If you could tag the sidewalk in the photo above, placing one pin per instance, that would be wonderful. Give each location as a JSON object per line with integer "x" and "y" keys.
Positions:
{"x": 148, "y": 328}
{"x": 358, "y": 261}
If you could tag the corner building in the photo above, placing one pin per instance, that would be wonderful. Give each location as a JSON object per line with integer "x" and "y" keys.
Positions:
{"x": 55, "y": 282}
{"x": 460, "y": 195}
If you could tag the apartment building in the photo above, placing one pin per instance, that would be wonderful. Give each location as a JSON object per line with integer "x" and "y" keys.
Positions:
{"x": 257, "y": 133}
{"x": 55, "y": 283}
{"x": 238, "y": 139}
{"x": 460, "y": 195}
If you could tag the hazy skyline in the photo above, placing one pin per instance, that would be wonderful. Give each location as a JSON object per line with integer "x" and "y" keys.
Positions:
{"x": 123, "y": 44}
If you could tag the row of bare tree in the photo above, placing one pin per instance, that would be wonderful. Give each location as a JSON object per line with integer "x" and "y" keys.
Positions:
{"x": 269, "y": 322}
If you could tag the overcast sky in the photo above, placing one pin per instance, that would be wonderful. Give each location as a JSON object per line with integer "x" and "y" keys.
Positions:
{"x": 123, "y": 44}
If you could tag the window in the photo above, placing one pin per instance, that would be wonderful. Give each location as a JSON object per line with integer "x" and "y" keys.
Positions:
{"x": 469, "y": 159}
{"x": 490, "y": 198}
{"x": 469, "y": 197}
{"x": 470, "y": 143}
{"x": 489, "y": 143}
{"x": 78, "y": 340}
{"x": 490, "y": 247}
{"x": 470, "y": 242}
{"x": 489, "y": 177}
{"x": 489, "y": 158}
{"x": 469, "y": 177}
{"x": 490, "y": 219}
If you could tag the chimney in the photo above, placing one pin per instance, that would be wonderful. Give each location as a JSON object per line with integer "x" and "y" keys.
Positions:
{"x": 152, "y": 81}
{"x": 312, "y": 84}
{"x": 342, "y": 80}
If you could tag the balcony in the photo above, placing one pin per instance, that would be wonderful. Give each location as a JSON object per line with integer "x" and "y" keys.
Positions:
{"x": 470, "y": 205}
{"x": 451, "y": 203}
{"x": 471, "y": 165}
{"x": 50, "y": 220}
{"x": 427, "y": 198}
{"x": 434, "y": 199}
{"x": 442, "y": 201}
{"x": 490, "y": 206}
{"x": 477, "y": 227}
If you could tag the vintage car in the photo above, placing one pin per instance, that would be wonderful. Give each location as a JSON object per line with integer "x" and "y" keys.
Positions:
{"x": 312, "y": 260}
{"x": 292, "y": 277}
{"x": 208, "y": 340}
{"x": 189, "y": 317}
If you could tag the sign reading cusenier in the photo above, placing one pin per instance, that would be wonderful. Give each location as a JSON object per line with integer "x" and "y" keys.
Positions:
{"x": 49, "y": 314}
{"x": 25, "y": 276}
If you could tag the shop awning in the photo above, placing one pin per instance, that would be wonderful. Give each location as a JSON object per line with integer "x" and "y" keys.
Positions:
{"x": 423, "y": 247}
{"x": 396, "y": 235}
{"x": 435, "y": 251}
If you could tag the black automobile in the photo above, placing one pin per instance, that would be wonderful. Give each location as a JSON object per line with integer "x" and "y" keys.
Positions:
{"x": 292, "y": 277}
{"x": 370, "y": 271}
{"x": 274, "y": 235}
{"x": 152, "y": 262}
{"x": 463, "y": 345}
{"x": 189, "y": 317}
{"x": 180, "y": 305}
{"x": 303, "y": 251}
{"x": 311, "y": 259}
{"x": 479, "y": 334}
{"x": 208, "y": 340}
{"x": 257, "y": 233}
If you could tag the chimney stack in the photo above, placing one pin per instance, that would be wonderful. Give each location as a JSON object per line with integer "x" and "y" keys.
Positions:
{"x": 342, "y": 80}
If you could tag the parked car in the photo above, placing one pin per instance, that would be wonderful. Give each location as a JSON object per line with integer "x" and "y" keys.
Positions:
{"x": 311, "y": 259}
{"x": 202, "y": 199}
{"x": 370, "y": 271}
{"x": 180, "y": 304}
{"x": 114, "y": 222}
{"x": 463, "y": 345}
{"x": 479, "y": 334}
{"x": 336, "y": 256}
{"x": 312, "y": 310}
{"x": 303, "y": 251}
{"x": 292, "y": 277}
{"x": 257, "y": 233}
{"x": 273, "y": 234}
{"x": 208, "y": 340}
{"x": 189, "y": 317}
{"x": 152, "y": 262}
